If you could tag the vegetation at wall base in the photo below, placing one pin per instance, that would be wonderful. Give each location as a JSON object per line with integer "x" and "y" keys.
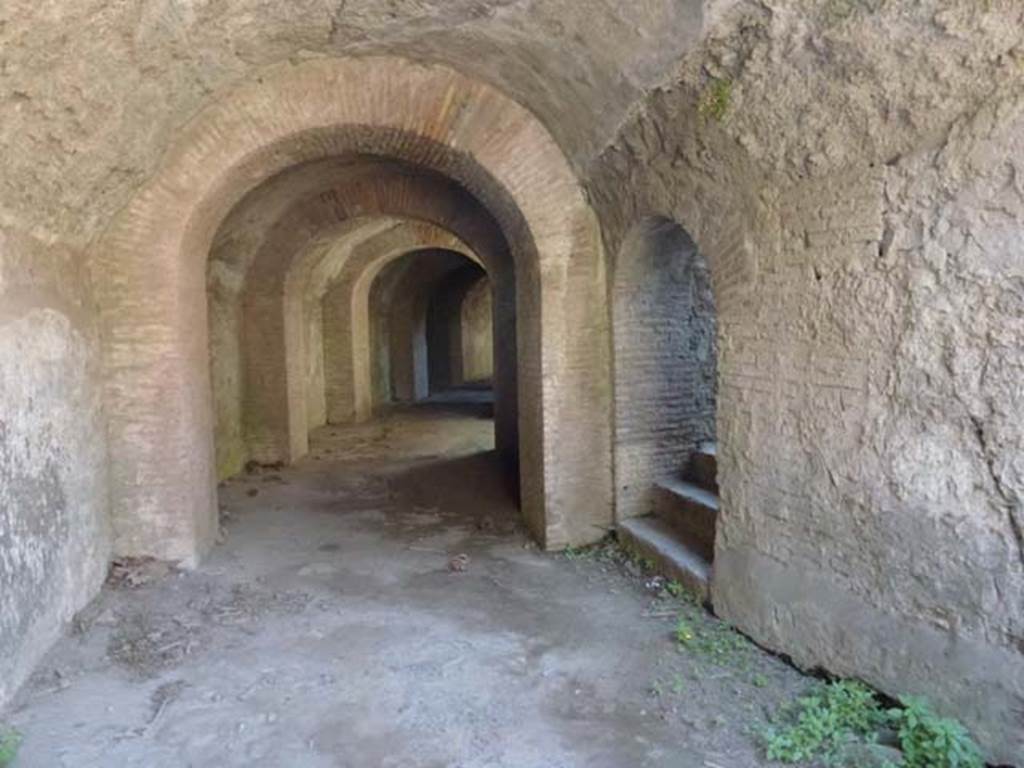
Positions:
{"x": 825, "y": 723}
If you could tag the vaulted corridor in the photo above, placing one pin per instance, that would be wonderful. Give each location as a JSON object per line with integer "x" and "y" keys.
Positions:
{"x": 440, "y": 366}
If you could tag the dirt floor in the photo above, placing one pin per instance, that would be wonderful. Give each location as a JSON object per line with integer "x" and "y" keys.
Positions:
{"x": 379, "y": 605}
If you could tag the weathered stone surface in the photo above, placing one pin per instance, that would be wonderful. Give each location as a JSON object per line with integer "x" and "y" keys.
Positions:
{"x": 850, "y": 170}
{"x": 101, "y": 87}
{"x": 869, "y": 756}
{"x": 54, "y": 525}
{"x": 477, "y": 333}
{"x": 860, "y": 207}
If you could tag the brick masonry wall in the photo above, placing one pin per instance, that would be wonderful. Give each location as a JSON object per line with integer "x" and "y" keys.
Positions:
{"x": 663, "y": 321}
{"x": 869, "y": 463}
{"x": 477, "y": 334}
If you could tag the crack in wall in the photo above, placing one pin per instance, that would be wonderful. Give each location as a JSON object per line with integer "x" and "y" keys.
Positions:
{"x": 1014, "y": 511}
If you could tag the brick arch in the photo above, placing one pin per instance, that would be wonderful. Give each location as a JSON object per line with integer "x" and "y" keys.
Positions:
{"x": 304, "y": 247}
{"x": 664, "y": 359}
{"x": 279, "y": 234}
{"x": 149, "y": 268}
{"x": 345, "y": 307}
{"x": 275, "y": 320}
{"x": 396, "y": 300}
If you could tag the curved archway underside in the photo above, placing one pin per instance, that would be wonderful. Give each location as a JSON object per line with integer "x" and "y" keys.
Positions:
{"x": 150, "y": 269}
{"x": 312, "y": 225}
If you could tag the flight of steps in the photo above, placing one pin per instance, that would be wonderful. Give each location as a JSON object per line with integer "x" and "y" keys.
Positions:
{"x": 680, "y": 534}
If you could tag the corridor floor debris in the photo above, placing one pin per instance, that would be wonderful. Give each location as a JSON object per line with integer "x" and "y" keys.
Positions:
{"x": 330, "y": 629}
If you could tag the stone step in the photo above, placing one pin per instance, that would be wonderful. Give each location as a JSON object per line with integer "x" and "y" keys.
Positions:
{"x": 654, "y": 539}
{"x": 702, "y": 468}
{"x": 691, "y": 511}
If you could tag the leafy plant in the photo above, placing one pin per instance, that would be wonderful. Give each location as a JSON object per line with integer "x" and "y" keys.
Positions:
{"x": 10, "y": 741}
{"x": 714, "y": 640}
{"x": 833, "y": 715}
{"x": 715, "y": 101}
{"x": 577, "y": 553}
{"x": 840, "y": 713}
{"x": 685, "y": 632}
{"x": 678, "y": 684}
{"x": 930, "y": 741}
{"x": 675, "y": 589}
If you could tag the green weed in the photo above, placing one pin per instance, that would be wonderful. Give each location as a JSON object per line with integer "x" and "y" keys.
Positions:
{"x": 10, "y": 741}
{"x": 713, "y": 640}
{"x": 825, "y": 720}
{"x": 578, "y": 553}
{"x": 837, "y": 714}
{"x": 659, "y": 688}
{"x": 930, "y": 741}
{"x": 678, "y": 685}
{"x": 716, "y": 99}
{"x": 673, "y": 591}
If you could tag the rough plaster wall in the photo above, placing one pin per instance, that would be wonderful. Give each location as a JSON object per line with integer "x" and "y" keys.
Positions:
{"x": 663, "y": 325}
{"x": 867, "y": 271}
{"x": 97, "y": 88}
{"x": 316, "y": 400}
{"x": 54, "y": 530}
{"x": 477, "y": 333}
{"x": 224, "y": 288}
{"x": 886, "y": 483}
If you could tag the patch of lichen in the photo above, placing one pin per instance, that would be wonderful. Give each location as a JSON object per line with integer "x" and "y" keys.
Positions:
{"x": 716, "y": 99}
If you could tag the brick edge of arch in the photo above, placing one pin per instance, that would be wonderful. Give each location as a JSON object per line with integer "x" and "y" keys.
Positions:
{"x": 148, "y": 268}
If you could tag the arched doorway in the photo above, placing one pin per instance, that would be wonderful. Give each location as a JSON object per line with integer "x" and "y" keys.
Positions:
{"x": 150, "y": 270}
{"x": 665, "y": 372}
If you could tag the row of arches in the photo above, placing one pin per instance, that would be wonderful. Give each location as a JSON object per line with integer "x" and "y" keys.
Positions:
{"x": 316, "y": 228}
{"x": 302, "y": 190}
{"x": 413, "y": 320}
{"x": 308, "y": 208}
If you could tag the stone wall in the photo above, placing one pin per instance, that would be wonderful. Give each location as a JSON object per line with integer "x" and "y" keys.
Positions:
{"x": 93, "y": 95}
{"x": 477, "y": 334}
{"x": 227, "y": 379}
{"x": 868, "y": 282}
{"x": 885, "y": 482}
{"x": 851, "y": 171}
{"x": 54, "y": 525}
